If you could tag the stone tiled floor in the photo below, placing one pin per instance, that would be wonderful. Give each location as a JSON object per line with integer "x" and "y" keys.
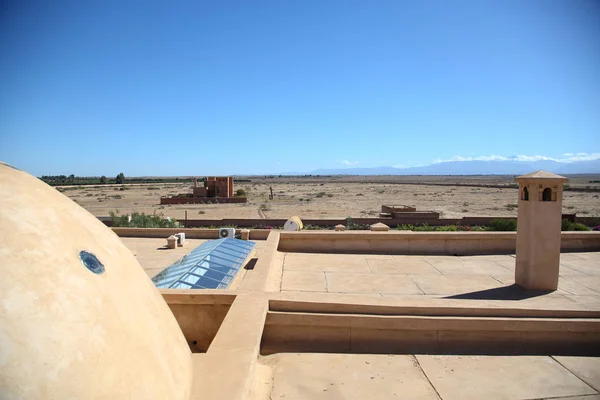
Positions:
{"x": 369, "y": 376}
{"x": 154, "y": 256}
{"x": 436, "y": 276}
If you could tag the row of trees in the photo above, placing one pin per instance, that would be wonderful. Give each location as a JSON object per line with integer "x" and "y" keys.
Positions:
{"x": 56, "y": 180}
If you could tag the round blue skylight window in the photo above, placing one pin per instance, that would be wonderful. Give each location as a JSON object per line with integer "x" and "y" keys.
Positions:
{"x": 91, "y": 262}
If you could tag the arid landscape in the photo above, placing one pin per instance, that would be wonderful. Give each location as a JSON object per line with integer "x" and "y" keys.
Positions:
{"x": 337, "y": 197}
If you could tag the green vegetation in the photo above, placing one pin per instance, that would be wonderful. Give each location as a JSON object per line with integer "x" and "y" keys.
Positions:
{"x": 141, "y": 220}
{"x": 320, "y": 194}
{"x": 566, "y": 225}
{"x": 120, "y": 179}
{"x": 62, "y": 180}
{"x": 441, "y": 228}
{"x": 240, "y": 193}
{"x": 503, "y": 225}
{"x": 352, "y": 226}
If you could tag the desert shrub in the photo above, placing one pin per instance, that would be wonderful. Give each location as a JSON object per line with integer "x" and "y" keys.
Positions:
{"x": 446, "y": 228}
{"x": 201, "y": 212}
{"x": 504, "y": 225}
{"x": 425, "y": 228}
{"x": 351, "y": 225}
{"x": 265, "y": 207}
{"x": 580, "y": 227}
{"x": 142, "y": 220}
{"x": 240, "y": 193}
{"x": 405, "y": 227}
{"x": 320, "y": 194}
{"x": 566, "y": 225}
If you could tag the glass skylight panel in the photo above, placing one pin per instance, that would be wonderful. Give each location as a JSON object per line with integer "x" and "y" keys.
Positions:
{"x": 212, "y": 265}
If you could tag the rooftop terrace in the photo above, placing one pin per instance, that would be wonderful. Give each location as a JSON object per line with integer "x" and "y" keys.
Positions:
{"x": 323, "y": 325}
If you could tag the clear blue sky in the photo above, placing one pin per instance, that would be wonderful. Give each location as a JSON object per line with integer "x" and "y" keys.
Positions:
{"x": 223, "y": 87}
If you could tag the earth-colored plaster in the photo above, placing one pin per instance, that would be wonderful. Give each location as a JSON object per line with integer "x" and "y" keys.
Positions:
{"x": 66, "y": 332}
{"x": 539, "y": 234}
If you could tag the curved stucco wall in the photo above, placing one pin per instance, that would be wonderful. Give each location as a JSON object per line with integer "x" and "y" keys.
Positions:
{"x": 66, "y": 332}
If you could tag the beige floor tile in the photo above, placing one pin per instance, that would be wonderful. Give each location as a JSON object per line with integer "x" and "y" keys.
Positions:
{"x": 152, "y": 254}
{"x": 401, "y": 266}
{"x": 505, "y": 279}
{"x": 320, "y": 263}
{"x": 455, "y": 284}
{"x": 586, "y": 368}
{"x": 575, "y": 256}
{"x": 371, "y": 283}
{"x": 580, "y": 285}
{"x": 303, "y": 281}
{"x": 565, "y": 270}
{"x": 508, "y": 263}
{"x": 589, "y": 302}
{"x": 347, "y": 376}
{"x": 499, "y": 377}
{"x": 435, "y": 260}
{"x": 585, "y": 267}
{"x": 473, "y": 267}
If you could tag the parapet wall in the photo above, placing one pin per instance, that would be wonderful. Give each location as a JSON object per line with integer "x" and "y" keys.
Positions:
{"x": 255, "y": 234}
{"x": 422, "y": 243}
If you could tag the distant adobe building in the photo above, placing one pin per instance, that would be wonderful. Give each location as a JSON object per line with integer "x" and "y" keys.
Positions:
{"x": 214, "y": 186}
{"x": 216, "y": 189}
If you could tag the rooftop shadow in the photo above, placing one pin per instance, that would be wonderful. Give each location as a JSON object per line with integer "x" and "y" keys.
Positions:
{"x": 512, "y": 292}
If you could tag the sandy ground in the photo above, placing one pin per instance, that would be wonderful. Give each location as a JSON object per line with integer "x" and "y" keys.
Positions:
{"x": 334, "y": 197}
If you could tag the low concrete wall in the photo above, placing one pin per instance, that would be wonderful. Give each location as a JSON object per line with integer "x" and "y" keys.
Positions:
{"x": 401, "y": 334}
{"x": 423, "y": 243}
{"x": 255, "y": 234}
{"x": 199, "y": 317}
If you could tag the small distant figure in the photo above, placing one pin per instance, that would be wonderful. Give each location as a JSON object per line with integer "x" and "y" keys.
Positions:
{"x": 271, "y": 195}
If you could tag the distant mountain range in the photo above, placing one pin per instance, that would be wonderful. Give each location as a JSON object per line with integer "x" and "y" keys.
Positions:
{"x": 507, "y": 167}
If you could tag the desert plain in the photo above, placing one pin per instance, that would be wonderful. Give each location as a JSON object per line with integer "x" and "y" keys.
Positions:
{"x": 336, "y": 197}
